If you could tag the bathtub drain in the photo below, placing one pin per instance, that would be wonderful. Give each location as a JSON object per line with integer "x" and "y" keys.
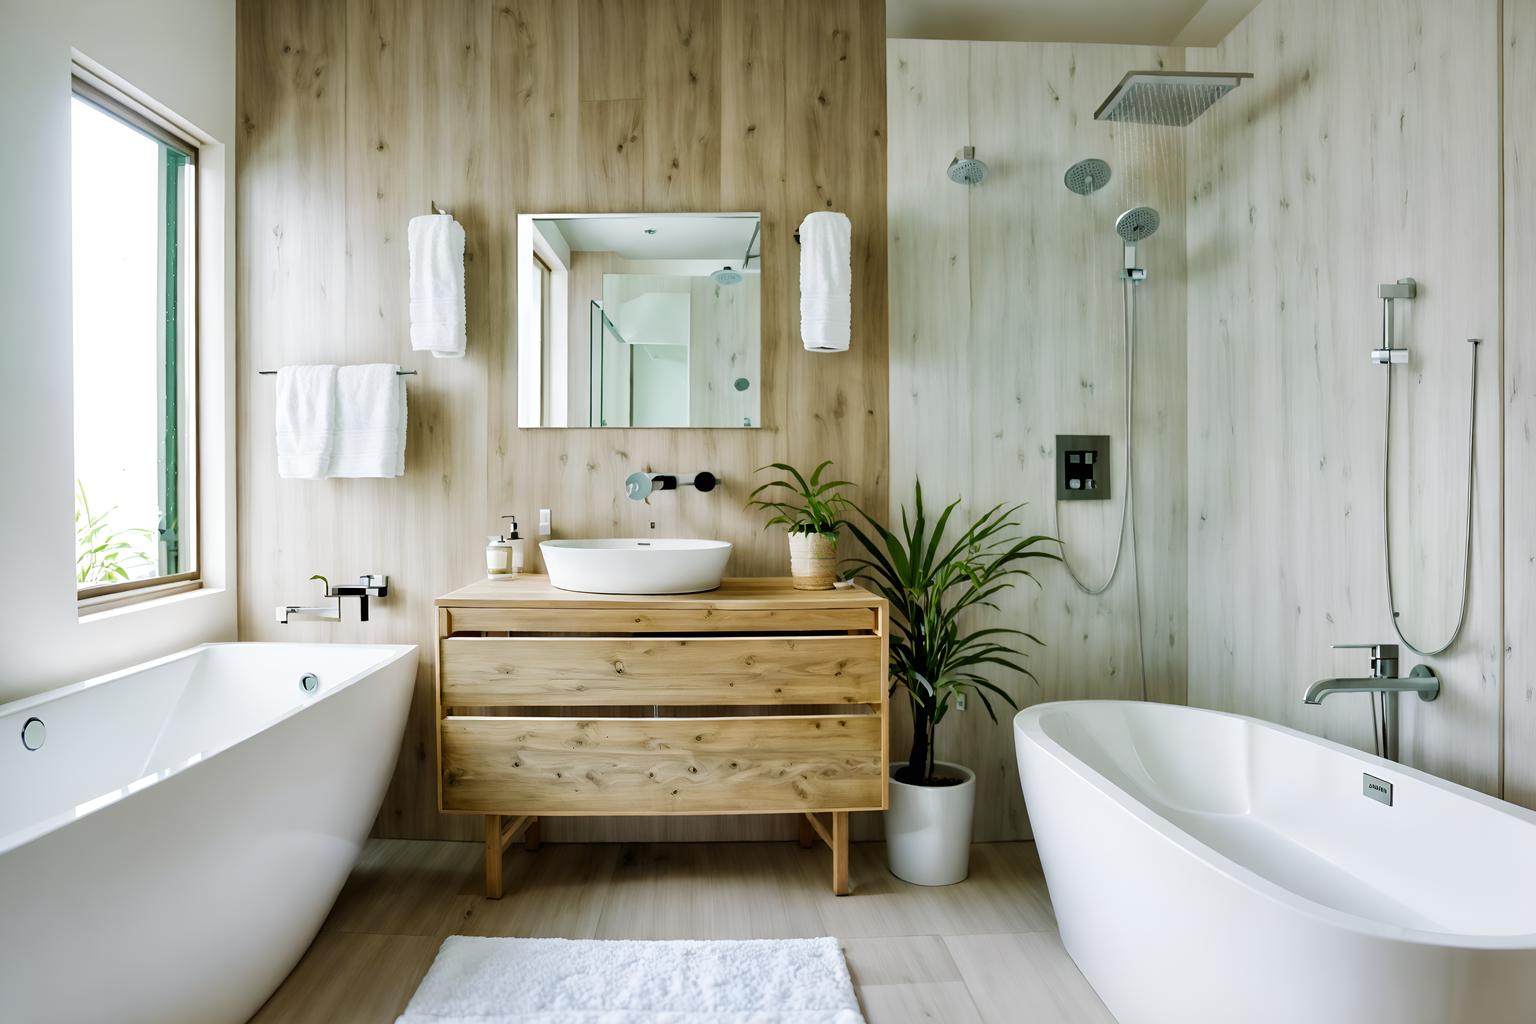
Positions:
{"x": 33, "y": 733}
{"x": 309, "y": 683}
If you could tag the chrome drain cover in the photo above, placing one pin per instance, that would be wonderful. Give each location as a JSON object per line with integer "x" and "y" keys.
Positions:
{"x": 33, "y": 733}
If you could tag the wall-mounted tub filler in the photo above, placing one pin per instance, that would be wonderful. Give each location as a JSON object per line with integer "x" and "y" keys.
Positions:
{"x": 1383, "y": 685}
{"x": 1390, "y": 355}
{"x": 368, "y": 585}
{"x": 640, "y": 486}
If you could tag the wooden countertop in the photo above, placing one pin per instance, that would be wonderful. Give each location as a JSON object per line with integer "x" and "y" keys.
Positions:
{"x": 773, "y": 592}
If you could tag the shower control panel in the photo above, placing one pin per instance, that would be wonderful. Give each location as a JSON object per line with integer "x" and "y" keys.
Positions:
{"x": 1082, "y": 467}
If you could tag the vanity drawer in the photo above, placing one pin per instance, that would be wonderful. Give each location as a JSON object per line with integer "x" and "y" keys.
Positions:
{"x": 642, "y": 619}
{"x": 773, "y": 764}
{"x": 575, "y": 671}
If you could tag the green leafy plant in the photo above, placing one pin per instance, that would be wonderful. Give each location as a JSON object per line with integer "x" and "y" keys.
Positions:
{"x": 812, "y": 505}
{"x": 931, "y": 585}
{"x": 104, "y": 554}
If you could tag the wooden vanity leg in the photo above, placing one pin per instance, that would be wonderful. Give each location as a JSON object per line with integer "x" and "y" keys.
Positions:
{"x": 840, "y": 853}
{"x": 807, "y": 834}
{"x": 532, "y": 835}
{"x": 493, "y": 855}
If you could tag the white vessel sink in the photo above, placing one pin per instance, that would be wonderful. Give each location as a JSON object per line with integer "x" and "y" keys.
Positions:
{"x": 635, "y": 566}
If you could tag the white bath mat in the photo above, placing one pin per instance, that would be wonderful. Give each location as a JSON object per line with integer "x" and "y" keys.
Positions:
{"x": 566, "y": 981}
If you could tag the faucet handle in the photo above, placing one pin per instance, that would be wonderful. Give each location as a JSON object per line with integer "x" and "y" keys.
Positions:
{"x": 1377, "y": 650}
{"x": 1383, "y": 658}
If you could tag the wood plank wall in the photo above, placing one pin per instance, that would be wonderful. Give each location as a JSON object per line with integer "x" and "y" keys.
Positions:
{"x": 1365, "y": 150}
{"x": 1007, "y": 329}
{"x": 355, "y": 115}
{"x": 1519, "y": 462}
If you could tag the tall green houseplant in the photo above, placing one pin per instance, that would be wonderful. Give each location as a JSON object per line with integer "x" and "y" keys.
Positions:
{"x": 932, "y": 584}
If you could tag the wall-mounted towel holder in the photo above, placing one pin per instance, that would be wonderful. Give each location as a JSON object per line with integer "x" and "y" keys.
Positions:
{"x": 439, "y": 210}
{"x": 398, "y": 373}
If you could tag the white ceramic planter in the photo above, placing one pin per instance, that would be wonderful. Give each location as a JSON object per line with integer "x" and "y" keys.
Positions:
{"x": 928, "y": 828}
{"x": 813, "y": 560}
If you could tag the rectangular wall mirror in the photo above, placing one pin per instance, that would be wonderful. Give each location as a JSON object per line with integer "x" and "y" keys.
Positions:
{"x": 639, "y": 320}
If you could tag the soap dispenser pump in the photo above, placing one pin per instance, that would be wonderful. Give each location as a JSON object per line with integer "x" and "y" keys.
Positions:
{"x": 504, "y": 553}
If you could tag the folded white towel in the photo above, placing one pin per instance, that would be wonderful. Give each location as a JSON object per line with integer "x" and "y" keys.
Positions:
{"x": 826, "y": 281}
{"x": 306, "y": 421}
{"x": 370, "y": 422}
{"x": 436, "y": 244}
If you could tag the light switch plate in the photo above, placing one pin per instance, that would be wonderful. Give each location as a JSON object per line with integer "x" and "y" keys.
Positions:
{"x": 544, "y": 522}
{"x": 1082, "y": 467}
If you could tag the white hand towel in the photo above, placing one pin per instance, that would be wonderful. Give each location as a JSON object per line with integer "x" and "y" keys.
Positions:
{"x": 826, "y": 281}
{"x": 306, "y": 421}
{"x": 370, "y": 422}
{"x": 436, "y": 244}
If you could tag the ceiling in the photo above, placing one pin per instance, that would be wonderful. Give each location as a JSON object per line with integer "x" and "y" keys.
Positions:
{"x": 1145, "y": 22}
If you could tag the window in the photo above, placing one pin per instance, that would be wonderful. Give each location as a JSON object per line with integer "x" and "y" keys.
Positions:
{"x": 133, "y": 212}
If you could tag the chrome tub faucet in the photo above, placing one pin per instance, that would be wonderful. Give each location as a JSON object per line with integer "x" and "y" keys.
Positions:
{"x": 1383, "y": 685}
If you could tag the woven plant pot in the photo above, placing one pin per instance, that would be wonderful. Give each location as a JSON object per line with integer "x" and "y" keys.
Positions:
{"x": 813, "y": 560}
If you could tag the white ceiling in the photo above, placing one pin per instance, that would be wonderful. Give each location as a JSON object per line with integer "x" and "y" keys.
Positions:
{"x": 1145, "y": 22}
{"x": 677, "y": 237}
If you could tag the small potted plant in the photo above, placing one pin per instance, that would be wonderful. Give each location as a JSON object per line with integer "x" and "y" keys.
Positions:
{"x": 938, "y": 653}
{"x": 812, "y": 512}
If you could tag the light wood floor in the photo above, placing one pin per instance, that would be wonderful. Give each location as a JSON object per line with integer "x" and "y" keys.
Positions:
{"x": 982, "y": 951}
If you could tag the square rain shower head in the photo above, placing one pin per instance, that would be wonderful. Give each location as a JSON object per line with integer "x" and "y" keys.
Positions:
{"x": 1172, "y": 98}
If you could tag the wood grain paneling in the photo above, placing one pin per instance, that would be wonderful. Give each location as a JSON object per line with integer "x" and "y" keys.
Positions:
{"x": 1519, "y": 456}
{"x": 1007, "y": 330}
{"x": 355, "y": 115}
{"x": 1344, "y": 164}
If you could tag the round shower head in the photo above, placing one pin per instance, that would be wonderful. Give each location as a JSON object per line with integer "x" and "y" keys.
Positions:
{"x": 725, "y": 275}
{"x": 1134, "y": 225}
{"x": 965, "y": 168}
{"x": 1087, "y": 176}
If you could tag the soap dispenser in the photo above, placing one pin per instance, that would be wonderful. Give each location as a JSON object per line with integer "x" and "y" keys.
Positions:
{"x": 516, "y": 542}
{"x": 504, "y": 553}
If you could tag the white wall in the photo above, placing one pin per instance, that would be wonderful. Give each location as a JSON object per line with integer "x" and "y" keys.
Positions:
{"x": 181, "y": 53}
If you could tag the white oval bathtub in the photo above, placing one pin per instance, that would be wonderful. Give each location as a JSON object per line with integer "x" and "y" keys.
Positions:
{"x": 1211, "y": 867}
{"x": 172, "y": 847}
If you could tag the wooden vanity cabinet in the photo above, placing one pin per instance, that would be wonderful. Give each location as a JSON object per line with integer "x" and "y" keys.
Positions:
{"x": 754, "y": 698}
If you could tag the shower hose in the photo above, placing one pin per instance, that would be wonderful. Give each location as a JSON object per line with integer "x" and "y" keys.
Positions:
{"x": 1428, "y": 650}
{"x": 1129, "y": 305}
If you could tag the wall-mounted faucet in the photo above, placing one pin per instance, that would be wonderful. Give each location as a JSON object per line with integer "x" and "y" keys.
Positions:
{"x": 640, "y": 486}
{"x": 369, "y": 585}
{"x": 1383, "y": 685}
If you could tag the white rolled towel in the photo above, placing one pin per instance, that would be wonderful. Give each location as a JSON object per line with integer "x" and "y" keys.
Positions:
{"x": 436, "y": 244}
{"x": 826, "y": 281}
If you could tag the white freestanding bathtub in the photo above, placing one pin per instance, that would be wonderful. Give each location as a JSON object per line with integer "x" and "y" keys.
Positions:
{"x": 174, "y": 843}
{"x": 1207, "y": 867}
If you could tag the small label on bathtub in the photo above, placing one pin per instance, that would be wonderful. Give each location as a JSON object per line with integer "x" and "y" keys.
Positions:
{"x": 1377, "y": 789}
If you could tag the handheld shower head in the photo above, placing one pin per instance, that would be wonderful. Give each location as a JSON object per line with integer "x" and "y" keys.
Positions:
{"x": 965, "y": 169}
{"x": 1087, "y": 176}
{"x": 1135, "y": 224}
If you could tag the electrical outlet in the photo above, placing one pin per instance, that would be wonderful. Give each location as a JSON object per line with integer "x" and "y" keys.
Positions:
{"x": 959, "y": 702}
